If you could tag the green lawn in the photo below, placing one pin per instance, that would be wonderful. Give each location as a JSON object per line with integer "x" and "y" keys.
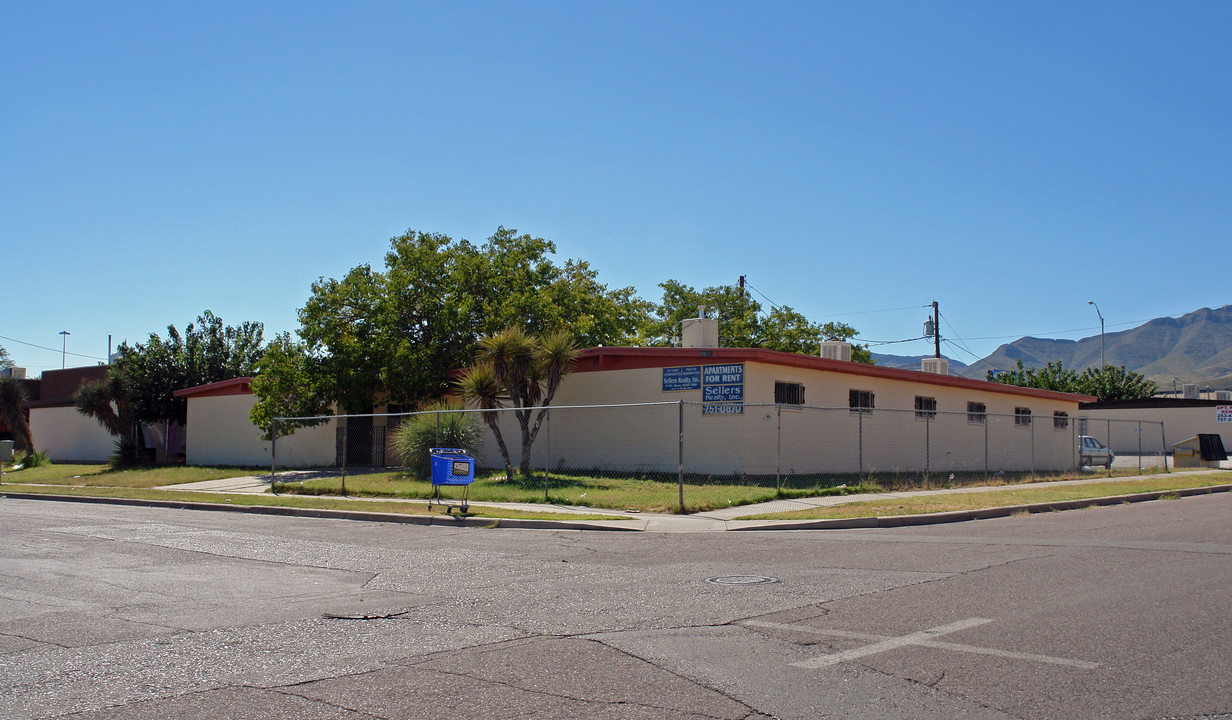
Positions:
{"x": 598, "y": 491}
{"x": 101, "y": 475}
{"x": 1000, "y": 498}
{"x": 325, "y": 503}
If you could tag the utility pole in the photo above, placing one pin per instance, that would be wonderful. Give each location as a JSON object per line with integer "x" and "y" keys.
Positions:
{"x": 936, "y": 331}
{"x": 741, "y": 287}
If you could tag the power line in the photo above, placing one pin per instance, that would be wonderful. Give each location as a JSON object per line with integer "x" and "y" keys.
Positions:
{"x": 43, "y": 347}
{"x": 889, "y": 342}
{"x": 759, "y": 292}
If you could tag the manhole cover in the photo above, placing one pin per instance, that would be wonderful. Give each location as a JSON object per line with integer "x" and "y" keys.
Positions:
{"x": 741, "y": 580}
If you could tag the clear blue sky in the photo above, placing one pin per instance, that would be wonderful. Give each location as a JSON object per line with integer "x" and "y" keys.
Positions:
{"x": 855, "y": 161}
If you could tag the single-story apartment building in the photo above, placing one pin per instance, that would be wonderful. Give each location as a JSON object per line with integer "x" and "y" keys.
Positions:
{"x": 749, "y": 411}
{"x": 57, "y": 428}
{"x": 1116, "y": 422}
{"x": 220, "y": 433}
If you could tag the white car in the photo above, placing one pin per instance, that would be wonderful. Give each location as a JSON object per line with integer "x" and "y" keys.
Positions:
{"x": 1093, "y": 452}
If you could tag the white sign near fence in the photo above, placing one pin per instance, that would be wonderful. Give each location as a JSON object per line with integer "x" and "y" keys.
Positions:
{"x": 1223, "y": 413}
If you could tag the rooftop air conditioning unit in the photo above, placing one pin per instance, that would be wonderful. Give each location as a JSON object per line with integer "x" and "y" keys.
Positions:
{"x": 936, "y": 366}
{"x": 1189, "y": 392}
{"x": 835, "y": 350}
{"x": 1223, "y": 395}
{"x": 700, "y": 332}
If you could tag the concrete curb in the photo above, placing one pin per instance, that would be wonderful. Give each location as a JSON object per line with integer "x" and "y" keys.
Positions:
{"x": 360, "y": 515}
{"x": 863, "y": 523}
{"x": 889, "y": 521}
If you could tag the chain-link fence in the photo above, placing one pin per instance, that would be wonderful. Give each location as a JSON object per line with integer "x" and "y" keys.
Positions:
{"x": 682, "y": 455}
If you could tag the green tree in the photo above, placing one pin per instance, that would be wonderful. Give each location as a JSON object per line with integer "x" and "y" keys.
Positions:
{"x": 395, "y": 334}
{"x": 5, "y": 360}
{"x": 13, "y": 403}
{"x": 742, "y": 322}
{"x": 285, "y": 377}
{"x": 206, "y": 352}
{"x": 1053, "y": 376}
{"x": 1115, "y": 382}
{"x": 1106, "y": 383}
{"x": 529, "y": 370}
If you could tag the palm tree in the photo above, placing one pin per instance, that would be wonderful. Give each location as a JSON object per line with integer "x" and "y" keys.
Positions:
{"x": 109, "y": 401}
{"x": 530, "y": 370}
{"x": 13, "y": 401}
{"x": 481, "y": 389}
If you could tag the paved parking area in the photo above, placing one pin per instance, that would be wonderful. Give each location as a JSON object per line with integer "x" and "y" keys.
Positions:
{"x": 124, "y": 612}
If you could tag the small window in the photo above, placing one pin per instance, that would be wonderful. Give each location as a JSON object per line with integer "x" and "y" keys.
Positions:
{"x": 1022, "y": 416}
{"x": 976, "y": 412}
{"x": 925, "y": 407}
{"x": 788, "y": 393}
{"x": 1060, "y": 420}
{"x": 860, "y": 401}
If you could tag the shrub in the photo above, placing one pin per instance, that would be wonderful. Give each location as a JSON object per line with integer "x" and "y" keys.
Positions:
{"x": 35, "y": 459}
{"x": 127, "y": 453}
{"x": 442, "y": 426}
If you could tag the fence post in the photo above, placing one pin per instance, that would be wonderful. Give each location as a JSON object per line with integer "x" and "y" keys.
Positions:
{"x": 928, "y": 447}
{"x": 343, "y": 424}
{"x": 860, "y": 420}
{"x": 680, "y": 456}
{"x": 1109, "y": 422}
{"x": 547, "y": 456}
{"x": 1139, "y": 446}
{"x": 1073, "y": 446}
{"x": 438, "y": 428}
{"x": 1032, "y": 447}
{"x": 273, "y": 455}
{"x": 1163, "y": 438}
{"x": 778, "y": 453}
{"x": 986, "y": 475}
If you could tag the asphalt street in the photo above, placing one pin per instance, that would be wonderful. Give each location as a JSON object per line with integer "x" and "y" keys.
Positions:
{"x": 128, "y": 612}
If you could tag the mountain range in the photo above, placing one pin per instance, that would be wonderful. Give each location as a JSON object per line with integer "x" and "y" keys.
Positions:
{"x": 1194, "y": 348}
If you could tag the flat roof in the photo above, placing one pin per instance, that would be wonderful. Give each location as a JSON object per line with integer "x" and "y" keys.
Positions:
{"x": 599, "y": 359}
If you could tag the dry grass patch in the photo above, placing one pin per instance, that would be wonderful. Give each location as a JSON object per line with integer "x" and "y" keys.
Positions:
{"x": 955, "y": 502}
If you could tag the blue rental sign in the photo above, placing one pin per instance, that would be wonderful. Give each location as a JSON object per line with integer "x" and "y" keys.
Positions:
{"x": 723, "y": 389}
{"x": 723, "y": 374}
{"x": 723, "y": 393}
{"x": 682, "y": 378}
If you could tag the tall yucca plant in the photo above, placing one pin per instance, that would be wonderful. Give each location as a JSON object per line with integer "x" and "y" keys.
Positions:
{"x": 530, "y": 370}
{"x": 13, "y": 401}
{"x": 481, "y": 388}
{"x": 109, "y": 401}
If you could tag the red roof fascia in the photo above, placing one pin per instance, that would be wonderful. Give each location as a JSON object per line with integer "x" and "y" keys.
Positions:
{"x": 632, "y": 358}
{"x": 234, "y": 386}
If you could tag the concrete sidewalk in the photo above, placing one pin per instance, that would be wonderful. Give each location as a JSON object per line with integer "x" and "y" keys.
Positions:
{"x": 710, "y": 521}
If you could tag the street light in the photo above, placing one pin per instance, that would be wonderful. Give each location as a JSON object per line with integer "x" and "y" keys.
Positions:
{"x": 1102, "y": 361}
{"x": 63, "y": 346}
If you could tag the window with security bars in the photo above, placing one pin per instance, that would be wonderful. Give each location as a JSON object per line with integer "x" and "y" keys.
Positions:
{"x": 976, "y": 412}
{"x": 925, "y": 407}
{"x": 1060, "y": 420}
{"x": 788, "y": 393}
{"x": 860, "y": 401}
{"x": 1022, "y": 416}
